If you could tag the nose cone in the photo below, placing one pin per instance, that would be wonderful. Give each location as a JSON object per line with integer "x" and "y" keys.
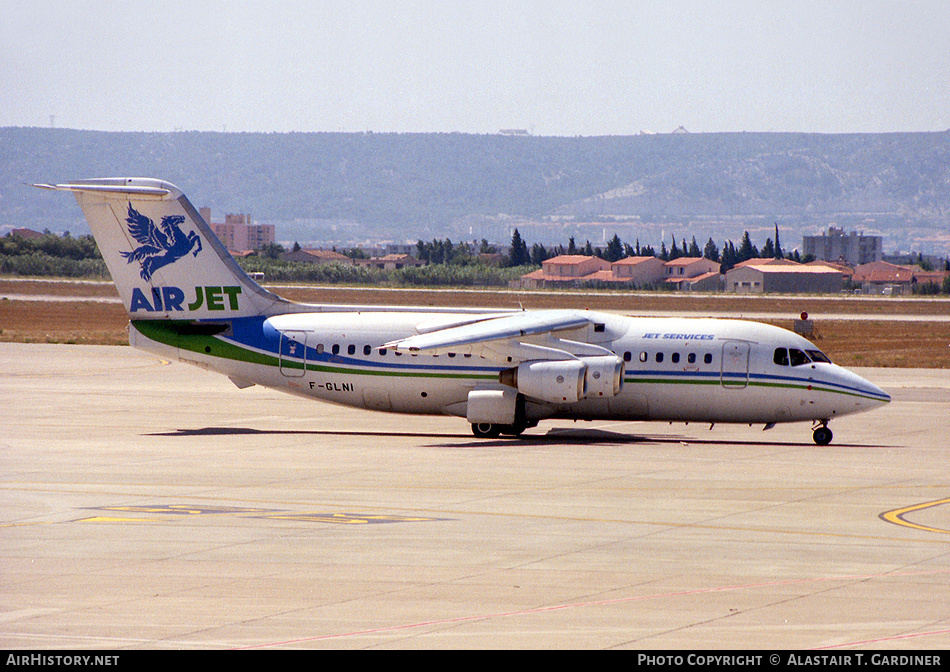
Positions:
{"x": 875, "y": 396}
{"x": 862, "y": 394}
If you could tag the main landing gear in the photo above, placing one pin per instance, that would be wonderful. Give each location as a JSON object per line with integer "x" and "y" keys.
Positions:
{"x": 822, "y": 435}
{"x": 487, "y": 430}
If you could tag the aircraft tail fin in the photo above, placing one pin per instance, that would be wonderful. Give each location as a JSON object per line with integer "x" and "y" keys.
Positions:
{"x": 165, "y": 260}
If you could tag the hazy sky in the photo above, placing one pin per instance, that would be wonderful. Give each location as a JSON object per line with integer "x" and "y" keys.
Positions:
{"x": 554, "y": 68}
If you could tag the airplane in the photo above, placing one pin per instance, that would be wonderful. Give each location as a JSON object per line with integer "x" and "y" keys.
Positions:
{"x": 504, "y": 371}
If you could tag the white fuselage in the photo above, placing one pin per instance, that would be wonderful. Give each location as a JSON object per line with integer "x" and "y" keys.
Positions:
{"x": 504, "y": 371}
{"x": 709, "y": 370}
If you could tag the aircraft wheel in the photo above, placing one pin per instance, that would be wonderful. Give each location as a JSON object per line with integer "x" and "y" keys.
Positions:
{"x": 822, "y": 436}
{"x": 485, "y": 430}
{"x": 512, "y": 430}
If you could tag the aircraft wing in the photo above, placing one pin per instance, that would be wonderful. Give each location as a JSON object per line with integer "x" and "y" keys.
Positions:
{"x": 500, "y": 334}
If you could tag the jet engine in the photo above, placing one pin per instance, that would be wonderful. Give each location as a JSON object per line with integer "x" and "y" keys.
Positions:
{"x": 566, "y": 381}
{"x": 604, "y": 376}
{"x": 496, "y": 407}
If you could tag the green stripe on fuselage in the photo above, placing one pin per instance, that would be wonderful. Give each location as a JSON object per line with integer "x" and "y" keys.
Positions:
{"x": 174, "y": 333}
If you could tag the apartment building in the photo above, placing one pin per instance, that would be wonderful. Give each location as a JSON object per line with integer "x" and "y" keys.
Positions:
{"x": 238, "y": 234}
{"x": 852, "y": 249}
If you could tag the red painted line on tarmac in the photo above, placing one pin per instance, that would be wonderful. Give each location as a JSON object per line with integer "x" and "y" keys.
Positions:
{"x": 596, "y": 603}
{"x": 865, "y": 642}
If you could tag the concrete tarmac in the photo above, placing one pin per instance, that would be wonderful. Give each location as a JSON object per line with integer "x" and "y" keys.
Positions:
{"x": 154, "y": 505}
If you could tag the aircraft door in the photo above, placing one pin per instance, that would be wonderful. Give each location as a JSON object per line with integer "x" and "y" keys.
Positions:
{"x": 735, "y": 364}
{"x": 293, "y": 353}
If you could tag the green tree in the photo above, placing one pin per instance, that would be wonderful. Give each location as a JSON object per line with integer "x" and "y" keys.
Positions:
{"x": 674, "y": 251}
{"x": 449, "y": 252}
{"x": 615, "y": 249}
{"x": 519, "y": 255}
{"x": 694, "y": 250}
{"x": 422, "y": 251}
{"x": 746, "y": 249}
{"x": 271, "y": 250}
{"x": 538, "y": 254}
{"x": 729, "y": 257}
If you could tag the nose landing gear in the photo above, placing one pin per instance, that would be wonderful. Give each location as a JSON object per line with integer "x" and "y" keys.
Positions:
{"x": 821, "y": 434}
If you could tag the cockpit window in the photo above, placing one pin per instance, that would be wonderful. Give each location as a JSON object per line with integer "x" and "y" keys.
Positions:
{"x": 797, "y": 357}
{"x": 793, "y": 357}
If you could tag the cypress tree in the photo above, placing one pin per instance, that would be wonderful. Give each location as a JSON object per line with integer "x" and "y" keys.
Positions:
{"x": 519, "y": 255}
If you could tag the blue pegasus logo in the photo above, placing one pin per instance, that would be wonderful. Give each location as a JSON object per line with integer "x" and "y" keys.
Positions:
{"x": 159, "y": 246}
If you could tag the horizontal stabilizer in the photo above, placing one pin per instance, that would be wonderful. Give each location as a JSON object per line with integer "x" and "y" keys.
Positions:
{"x": 130, "y": 189}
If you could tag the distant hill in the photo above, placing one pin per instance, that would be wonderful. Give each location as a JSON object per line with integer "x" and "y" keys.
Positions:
{"x": 339, "y": 187}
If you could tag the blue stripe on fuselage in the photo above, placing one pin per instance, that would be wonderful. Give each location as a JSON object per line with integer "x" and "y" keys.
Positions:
{"x": 256, "y": 334}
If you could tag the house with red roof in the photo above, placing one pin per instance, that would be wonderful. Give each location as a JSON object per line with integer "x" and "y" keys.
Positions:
{"x": 692, "y": 274}
{"x": 316, "y": 257}
{"x": 565, "y": 270}
{"x": 882, "y": 277}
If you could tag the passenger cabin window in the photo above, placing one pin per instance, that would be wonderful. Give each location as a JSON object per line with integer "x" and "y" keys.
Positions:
{"x": 691, "y": 358}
